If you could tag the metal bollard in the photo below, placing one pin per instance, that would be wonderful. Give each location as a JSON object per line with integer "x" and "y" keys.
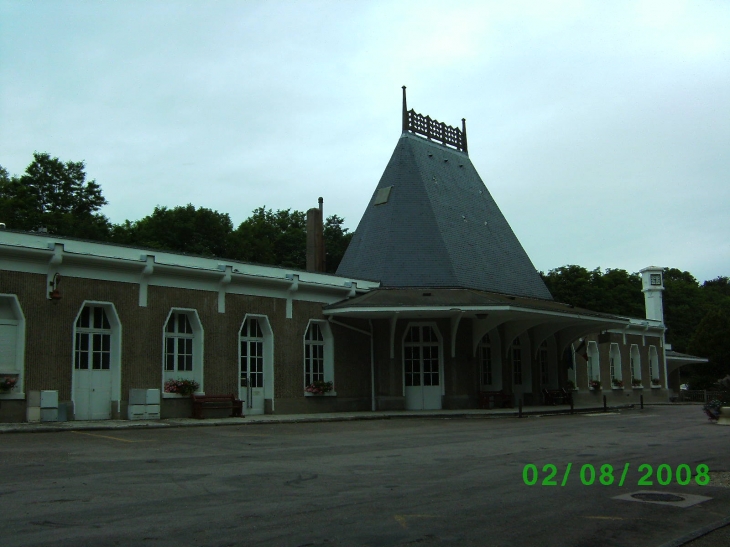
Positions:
{"x": 520, "y": 412}
{"x": 641, "y": 401}
{"x": 605, "y": 407}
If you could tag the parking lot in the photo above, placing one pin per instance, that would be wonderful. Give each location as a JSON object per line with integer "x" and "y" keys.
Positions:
{"x": 385, "y": 482}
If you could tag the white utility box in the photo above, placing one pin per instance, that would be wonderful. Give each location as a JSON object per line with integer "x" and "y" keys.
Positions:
{"x": 152, "y": 412}
{"x": 33, "y": 414}
{"x": 49, "y": 399}
{"x": 49, "y": 414}
{"x": 136, "y": 412}
{"x": 153, "y": 397}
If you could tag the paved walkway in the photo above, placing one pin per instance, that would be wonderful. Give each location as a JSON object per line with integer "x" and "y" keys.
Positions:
{"x": 710, "y": 536}
{"x": 296, "y": 418}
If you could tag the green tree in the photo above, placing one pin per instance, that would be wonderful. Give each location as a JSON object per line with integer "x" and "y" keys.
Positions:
{"x": 336, "y": 240}
{"x": 267, "y": 237}
{"x": 56, "y": 196}
{"x": 182, "y": 229}
{"x": 684, "y": 307}
{"x": 615, "y": 291}
{"x": 711, "y": 340}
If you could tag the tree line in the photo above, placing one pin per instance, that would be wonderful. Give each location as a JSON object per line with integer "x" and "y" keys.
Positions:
{"x": 56, "y": 196}
{"x": 697, "y": 316}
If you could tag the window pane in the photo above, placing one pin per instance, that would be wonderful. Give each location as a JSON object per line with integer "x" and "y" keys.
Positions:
{"x": 83, "y": 321}
{"x": 97, "y": 342}
{"x": 96, "y": 360}
{"x": 169, "y": 361}
{"x": 188, "y": 362}
{"x": 105, "y": 360}
{"x": 170, "y": 345}
{"x": 170, "y": 327}
{"x": 98, "y": 317}
{"x": 105, "y": 320}
{"x": 83, "y": 360}
{"x": 244, "y": 349}
{"x": 181, "y": 318}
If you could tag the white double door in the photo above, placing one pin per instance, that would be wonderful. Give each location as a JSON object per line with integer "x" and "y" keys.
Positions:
{"x": 251, "y": 386}
{"x": 422, "y": 377}
{"x": 93, "y": 394}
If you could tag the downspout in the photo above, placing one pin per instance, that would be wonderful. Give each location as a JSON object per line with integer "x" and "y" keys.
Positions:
{"x": 372, "y": 354}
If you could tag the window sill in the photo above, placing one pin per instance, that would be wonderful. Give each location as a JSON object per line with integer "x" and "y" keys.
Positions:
{"x": 329, "y": 394}
{"x": 637, "y": 387}
{"x": 656, "y": 386}
{"x": 10, "y": 396}
{"x": 617, "y": 387}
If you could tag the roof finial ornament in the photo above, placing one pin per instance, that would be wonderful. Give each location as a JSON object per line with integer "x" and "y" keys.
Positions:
{"x": 433, "y": 129}
{"x": 405, "y": 111}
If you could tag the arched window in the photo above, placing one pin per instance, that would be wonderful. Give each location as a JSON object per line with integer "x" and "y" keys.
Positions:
{"x": 421, "y": 347}
{"x": 252, "y": 353}
{"x": 654, "y": 366}
{"x": 485, "y": 359}
{"x": 635, "y": 365}
{"x": 318, "y": 354}
{"x": 92, "y": 348}
{"x": 182, "y": 357}
{"x": 97, "y": 348}
{"x": 12, "y": 346}
{"x": 179, "y": 343}
{"x": 313, "y": 354}
{"x": 614, "y": 363}
{"x": 594, "y": 365}
{"x": 517, "y": 361}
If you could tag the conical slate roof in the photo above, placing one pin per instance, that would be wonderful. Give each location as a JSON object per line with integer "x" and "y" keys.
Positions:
{"x": 439, "y": 227}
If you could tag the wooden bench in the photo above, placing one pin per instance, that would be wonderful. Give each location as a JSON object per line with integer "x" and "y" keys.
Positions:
{"x": 490, "y": 399}
{"x": 556, "y": 396}
{"x": 201, "y": 402}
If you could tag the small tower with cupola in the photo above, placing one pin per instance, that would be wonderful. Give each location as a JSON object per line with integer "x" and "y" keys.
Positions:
{"x": 652, "y": 285}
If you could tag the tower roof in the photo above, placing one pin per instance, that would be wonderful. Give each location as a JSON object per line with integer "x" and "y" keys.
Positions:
{"x": 432, "y": 223}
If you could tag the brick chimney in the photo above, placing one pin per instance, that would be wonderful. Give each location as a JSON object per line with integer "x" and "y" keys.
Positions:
{"x": 316, "y": 261}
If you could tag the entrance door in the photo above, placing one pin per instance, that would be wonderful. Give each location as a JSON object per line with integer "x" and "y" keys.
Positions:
{"x": 92, "y": 360}
{"x": 421, "y": 367}
{"x": 251, "y": 387}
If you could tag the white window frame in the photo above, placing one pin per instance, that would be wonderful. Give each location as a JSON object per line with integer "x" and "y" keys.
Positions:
{"x": 654, "y": 366}
{"x": 421, "y": 344}
{"x": 328, "y": 355}
{"x": 635, "y": 365}
{"x": 614, "y": 364}
{"x": 93, "y": 332}
{"x": 268, "y": 333}
{"x": 197, "y": 373}
{"x": 18, "y": 369}
{"x": 115, "y": 366}
{"x": 593, "y": 363}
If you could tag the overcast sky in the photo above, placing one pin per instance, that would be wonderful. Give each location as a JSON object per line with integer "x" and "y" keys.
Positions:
{"x": 600, "y": 128}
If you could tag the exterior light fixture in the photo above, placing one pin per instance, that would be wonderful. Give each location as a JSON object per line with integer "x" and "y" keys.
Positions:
{"x": 55, "y": 294}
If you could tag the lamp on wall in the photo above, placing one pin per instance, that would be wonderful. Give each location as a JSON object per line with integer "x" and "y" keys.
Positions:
{"x": 55, "y": 294}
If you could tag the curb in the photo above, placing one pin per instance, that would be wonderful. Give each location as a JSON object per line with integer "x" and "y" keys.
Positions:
{"x": 697, "y": 533}
{"x": 212, "y": 422}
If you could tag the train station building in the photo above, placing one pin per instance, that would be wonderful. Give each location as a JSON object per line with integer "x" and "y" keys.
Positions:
{"x": 434, "y": 302}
